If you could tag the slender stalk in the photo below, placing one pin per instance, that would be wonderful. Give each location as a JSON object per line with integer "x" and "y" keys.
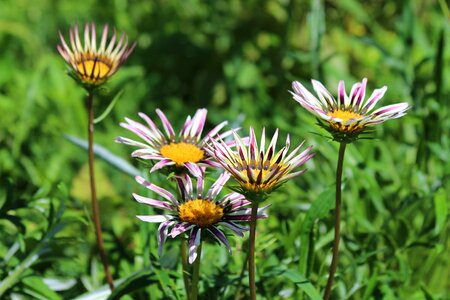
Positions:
{"x": 184, "y": 263}
{"x": 251, "y": 251}
{"x": 337, "y": 222}
{"x": 196, "y": 274}
{"x": 95, "y": 208}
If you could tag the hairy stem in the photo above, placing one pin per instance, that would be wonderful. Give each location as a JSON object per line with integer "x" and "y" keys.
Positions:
{"x": 251, "y": 251}
{"x": 196, "y": 274}
{"x": 337, "y": 222}
{"x": 95, "y": 208}
{"x": 185, "y": 266}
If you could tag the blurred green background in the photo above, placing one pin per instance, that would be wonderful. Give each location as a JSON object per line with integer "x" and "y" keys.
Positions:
{"x": 238, "y": 59}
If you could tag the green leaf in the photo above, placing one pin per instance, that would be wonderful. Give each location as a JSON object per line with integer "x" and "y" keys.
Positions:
{"x": 134, "y": 282}
{"x": 303, "y": 283}
{"x": 440, "y": 208}
{"x": 319, "y": 209}
{"x": 109, "y": 108}
{"x": 106, "y": 155}
{"x": 37, "y": 288}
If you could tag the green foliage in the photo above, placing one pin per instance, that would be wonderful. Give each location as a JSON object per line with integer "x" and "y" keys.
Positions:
{"x": 236, "y": 58}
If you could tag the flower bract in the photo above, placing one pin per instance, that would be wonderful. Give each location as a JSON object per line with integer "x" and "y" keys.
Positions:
{"x": 196, "y": 212}
{"x": 92, "y": 65}
{"x": 350, "y": 115}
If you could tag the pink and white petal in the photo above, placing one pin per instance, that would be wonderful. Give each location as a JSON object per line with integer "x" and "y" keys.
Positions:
{"x": 324, "y": 95}
{"x": 187, "y": 186}
{"x": 155, "y": 218}
{"x": 210, "y": 163}
{"x": 198, "y": 122}
{"x": 354, "y": 93}
{"x": 143, "y": 155}
{"x": 163, "y": 229}
{"x": 180, "y": 228}
{"x": 184, "y": 133}
{"x": 235, "y": 228}
{"x": 200, "y": 184}
{"x": 343, "y": 99}
{"x": 253, "y": 147}
{"x": 154, "y": 135}
{"x": 312, "y": 108}
{"x": 391, "y": 109}
{"x": 194, "y": 242}
{"x": 157, "y": 133}
{"x": 220, "y": 237}
{"x": 216, "y": 130}
{"x": 166, "y": 124}
{"x": 292, "y": 175}
{"x": 159, "y": 190}
{"x": 305, "y": 95}
{"x": 194, "y": 169}
{"x": 161, "y": 164}
{"x": 152, "y": 202}
{"x": 217, "y": 186}
{"x": 361, "y": 95}
{"x": 373, "y": 99}
{"x": 127, "y": 141}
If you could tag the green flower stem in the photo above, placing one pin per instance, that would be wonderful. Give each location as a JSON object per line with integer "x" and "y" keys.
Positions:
{"x": 196, "y": 274}
{"x": 251, "y": 251}
{"x": 337, "y": 222}
{"x": 185, "y": 266}
{"x": 95, "y": 208}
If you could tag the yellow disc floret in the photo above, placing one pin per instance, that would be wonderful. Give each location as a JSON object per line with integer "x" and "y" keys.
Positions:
{"x": 202, "y": 213}
{"x": 93, "y": 71}
{"x": 345, "y": 116}
{"x": 181, "y": 153}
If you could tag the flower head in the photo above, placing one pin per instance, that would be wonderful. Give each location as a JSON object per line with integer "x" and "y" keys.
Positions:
{"x": 187, "y": 150}
{"x": 92, "y": 65}
{"x": 197, "y": 212}
{"x": 259, "y": 171}
{"x": 350, "y": 115}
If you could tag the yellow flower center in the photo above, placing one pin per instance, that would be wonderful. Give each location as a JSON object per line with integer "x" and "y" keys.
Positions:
{"x": 344, "y": 115}
{"x": 181, "y": 153}
{"x": 202, "y": 213}
{"x": 93, "y": 71}
{"x": 260, "y": 183}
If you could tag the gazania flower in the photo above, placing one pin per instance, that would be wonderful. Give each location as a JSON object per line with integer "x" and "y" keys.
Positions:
{"x": 350, "y": 115}
{"x": 187, "y": 150}
{"x": 92, "y": 66}
{"x": 258, "y": 170}
{"x": 196, "y": 213}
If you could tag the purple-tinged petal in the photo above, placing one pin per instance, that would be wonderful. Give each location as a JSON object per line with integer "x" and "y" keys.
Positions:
{"x": 152, "y": 202}
{"x": 342, "y": 95}
{"x": 180, "y": 228}
{"x": 167, "y": 126}
{"x": 155, "y": 218}
{"x": 194, "y": 169}
{"x": 324, "y": 95}
{"x": 235, "y": 228}
{"x": 361, "y": 95}
{"x": 194, "y": 242}
{"x": 391, "y": 109}
{"x": 161, "y": 164}
{"x": 217, "y": 186}
{"x": 163, "y": 229}
{"x": 220, "y": 237}
{"x": 198, "y": 122}
{"x": 373, "y": 99}
{"x": 159, "y": 190}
